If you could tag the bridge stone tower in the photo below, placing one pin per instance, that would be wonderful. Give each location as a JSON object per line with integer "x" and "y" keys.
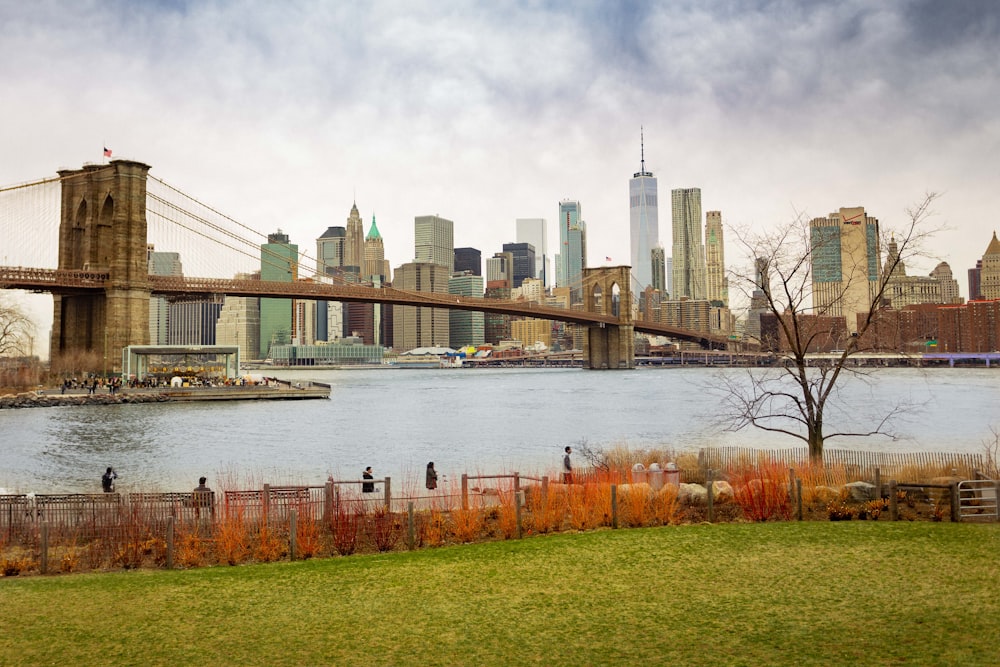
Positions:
{"x": 103, "y": 228}
{"x": 608, "y": 290}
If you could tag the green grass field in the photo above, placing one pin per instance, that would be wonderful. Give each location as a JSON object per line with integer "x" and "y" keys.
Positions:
{"x": 816, "y": 593}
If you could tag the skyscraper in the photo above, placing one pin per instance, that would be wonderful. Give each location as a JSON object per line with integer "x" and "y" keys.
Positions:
{"x": 354, "y": 242}
{"x": 279, "y": 261}
{"x": 160, "y": 264}
{"x": 469, "y": 259}
{"x": 717, "y": 284}
{"x": 330, "y": 247}
{"x": 434, "y": 241}
{"x": 466, "y": 327}
{"x": 572, "y": 257}
{"x": 688, "y": 251}
{"x": 659, "y": 276}
{"x": 644, "y": 225}
{"x": 415, "y": 326}
{"x": 523, "y": 255}
{"x": 846, "y": 263}
{"x": 239, "y": 322}
{"x": 989, "y": 275}
{"x": 535, "y": 232}
{"x": 375, "y": 264}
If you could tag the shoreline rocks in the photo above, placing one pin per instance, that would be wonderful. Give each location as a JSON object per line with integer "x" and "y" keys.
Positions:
{"x": 34, "y": 399}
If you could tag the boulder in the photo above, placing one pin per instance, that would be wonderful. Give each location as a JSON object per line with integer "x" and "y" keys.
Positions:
{"x": 722, "y": 492}
{"x": 692, "y": 494}
{"x": 641, "y": 488}
{"x": 825, "y": 494}
{"x": 860, "y": 491}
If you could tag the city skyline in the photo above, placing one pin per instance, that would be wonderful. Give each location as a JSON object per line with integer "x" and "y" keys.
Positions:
{"x": 490, "y": 114}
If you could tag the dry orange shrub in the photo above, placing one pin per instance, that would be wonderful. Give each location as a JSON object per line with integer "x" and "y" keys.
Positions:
{"x": 666, "y": 507}
{"x": 634, "y": 505}
{"x": 434, "y": 530}
{"x": 307, "y": 534}
{"x": 547, "y": 512}
{"x": 231, "y": 539}
{"x": 269, "y": 547}
{"x": 589, "y": 505}
{"x": 507, "y": 514}
{"x": 466, "y": 524}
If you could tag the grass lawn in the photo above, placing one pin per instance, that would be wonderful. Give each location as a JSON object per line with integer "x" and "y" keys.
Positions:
{"x": 814, "y": 593}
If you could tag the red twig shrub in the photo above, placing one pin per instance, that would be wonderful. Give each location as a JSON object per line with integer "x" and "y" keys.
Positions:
{"x": 383, "y": 528}
{"x": 762, "y": 492}
{"x": 345, "y": 525}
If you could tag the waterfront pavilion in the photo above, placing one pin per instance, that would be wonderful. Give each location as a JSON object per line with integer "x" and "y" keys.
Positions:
{"x": 193, "y": 363}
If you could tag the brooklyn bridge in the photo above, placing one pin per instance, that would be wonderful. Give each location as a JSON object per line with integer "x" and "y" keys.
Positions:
{"x": 82, "y": 237}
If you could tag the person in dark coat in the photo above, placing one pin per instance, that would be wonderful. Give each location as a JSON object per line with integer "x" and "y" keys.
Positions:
{"x": 367, "y": 487}
{"x": 108, "y": 480}
{"x": 432, "y": 477}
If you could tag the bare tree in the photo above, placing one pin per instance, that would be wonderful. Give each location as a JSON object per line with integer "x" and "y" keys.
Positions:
{"x": 15, "y": 330}
{"x": 793, "y": 397}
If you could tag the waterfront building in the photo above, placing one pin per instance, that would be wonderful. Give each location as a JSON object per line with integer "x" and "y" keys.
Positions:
{"x": 572, "y": 257}
{"x": 415, "y": 326}
{"x": 523, "y": 262}
{"x": 469, "y": 260}
{"x": 989, "y": 275}
{"x": 279, "y": 262}
{"x": 716, "y": 282}
{"x": 434, "y": 241}
{"x": 304, "y": 322}
{"x": 160, "y": 264}
{"x": 531, "y": 331}
{"x": 535, "y": 232}
{"x": 350, "y": 351}
{"x": 644, "y": 226}
{"x": 466, "y": 327}
{"x": 688, "y": 250}
{"x": 846, "y": 263}
{"x": 239, "y": 322}
{"x": 758, "y": 299}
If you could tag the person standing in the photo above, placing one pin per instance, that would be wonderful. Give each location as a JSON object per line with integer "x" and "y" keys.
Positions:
{"x": 368, "y": 487}
{"x": 567, "y": 466}
{"x": 432, "y": 477}
{"x": 108, "y": 480}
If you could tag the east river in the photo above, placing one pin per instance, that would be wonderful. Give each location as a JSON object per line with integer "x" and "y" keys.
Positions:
{"x": 486, "y": 421}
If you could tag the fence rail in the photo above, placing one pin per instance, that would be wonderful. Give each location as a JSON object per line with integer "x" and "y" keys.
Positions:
{"x": 860, "y": 463}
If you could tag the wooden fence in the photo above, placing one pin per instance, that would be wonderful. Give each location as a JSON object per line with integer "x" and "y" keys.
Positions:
{"x": 860, "y": 464}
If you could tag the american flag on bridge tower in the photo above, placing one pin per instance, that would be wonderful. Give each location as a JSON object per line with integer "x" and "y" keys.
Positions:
{"x": 107, "y": 152}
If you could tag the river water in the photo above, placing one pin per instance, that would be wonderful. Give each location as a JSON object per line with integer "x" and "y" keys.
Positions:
{"x": 483, "y": 420}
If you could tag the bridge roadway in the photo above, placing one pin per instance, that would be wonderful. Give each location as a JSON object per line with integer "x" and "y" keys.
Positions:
{"x": 68, "y": 282}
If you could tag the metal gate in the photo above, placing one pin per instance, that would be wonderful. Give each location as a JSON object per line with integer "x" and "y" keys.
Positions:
{"x": 977, "y": 500}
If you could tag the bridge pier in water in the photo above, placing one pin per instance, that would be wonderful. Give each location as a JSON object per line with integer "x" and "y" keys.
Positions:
{"x": 608, "y": 291}
{"x": 103, "y": 228}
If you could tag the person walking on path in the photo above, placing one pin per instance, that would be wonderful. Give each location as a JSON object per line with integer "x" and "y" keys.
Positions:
{"x": 108, "y": 480}
{"x": 367, "y": 487}
{"x": 432, "y": 477}
{"x": 567, "y": 466}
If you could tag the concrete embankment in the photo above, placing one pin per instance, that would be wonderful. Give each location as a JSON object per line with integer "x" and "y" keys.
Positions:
{"x": 44, "y": 399}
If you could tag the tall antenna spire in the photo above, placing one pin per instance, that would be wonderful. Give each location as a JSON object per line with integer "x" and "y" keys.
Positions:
{"x": 642, "y": 151}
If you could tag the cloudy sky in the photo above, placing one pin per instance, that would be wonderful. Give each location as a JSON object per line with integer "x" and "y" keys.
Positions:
{"x": 281, "y": 114}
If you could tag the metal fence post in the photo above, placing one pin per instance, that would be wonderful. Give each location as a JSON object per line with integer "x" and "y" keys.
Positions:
{"x": 170, "y": 542}
{"x": 614, "y": 505}
{"x": 411, "y": 527}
